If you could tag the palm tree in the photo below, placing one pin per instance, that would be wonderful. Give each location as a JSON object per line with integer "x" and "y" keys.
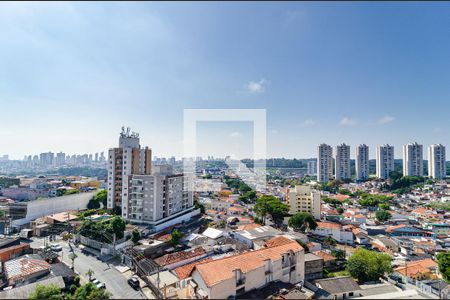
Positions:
{"x": 90, "y": 273}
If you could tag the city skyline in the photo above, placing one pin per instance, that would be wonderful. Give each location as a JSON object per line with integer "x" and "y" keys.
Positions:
{"x": 73, "y": 73}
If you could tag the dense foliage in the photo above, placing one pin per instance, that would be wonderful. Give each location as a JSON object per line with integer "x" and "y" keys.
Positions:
{"x": 271, "y": 205}
{"x": 366, "y": 265}
{"x": 382, "y": 215}
{"x": 444, "y": 265}
{"x": 76, "y": 292}
{"x": 302, "y": 222}
{"x": 99, "y": 198}
{"x": 366, "y": 199}
{"x": 103, "y": 231}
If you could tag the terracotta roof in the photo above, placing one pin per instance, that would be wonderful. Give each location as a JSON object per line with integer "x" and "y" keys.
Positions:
{"x": 277, "y": 241}
{"x": 185, "y": 271}
{"x": 417, "y": 267}
{"x": 340, "y": 197}
{"x": 62, "y": 217}
{"x": 328, "y": 225}
{"x": 22, "y": 267}
{"x": 326, "y": 257}
{"x": 248, "y": 226}
{"x": 392, "y": 228}
{"x": 360, "y": 216}
{"x": 172, "y": 258}
{"x": 219, "y": 270}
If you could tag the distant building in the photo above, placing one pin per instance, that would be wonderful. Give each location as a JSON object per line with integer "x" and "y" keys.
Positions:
{"x": 303, "y": 198}
{"x": 312, "y": 168}
{"x": 324, "y": 163}
{"x": 342, "y": 162}
{"x": 362, "y": 162}
{"x": 436, "y": 161}
{"x": 384, "y": 161}
{"x": 413, "y": 160}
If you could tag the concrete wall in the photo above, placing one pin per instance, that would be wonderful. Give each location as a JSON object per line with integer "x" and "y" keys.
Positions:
{"x": 43, "y": 207}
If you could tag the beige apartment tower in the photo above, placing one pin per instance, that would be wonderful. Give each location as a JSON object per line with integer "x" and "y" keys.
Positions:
{"x": 436, "y": 162}
{"x": 385, "y": 161}
{"x": 303, "y": 198}
{"x": 413, "y": 160}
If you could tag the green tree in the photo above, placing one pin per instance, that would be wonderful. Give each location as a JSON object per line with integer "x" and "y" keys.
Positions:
{"x": 330, "y": 241}
{"x": 90, "y": 291}
{"x": 135, "y": 236}
{"x": 89, "y": 273}
{"x": 366, "y": 265}
{"x": 339, "y": 254}
{"x": 444, "y": 265}
{"x": 198, "y": 205}
{"x": 382, "y": 215}
{"x": 175, "y": 237}
{"x": 42, "y": 292}
{"x": 302, "y": 222}
{"x": 118, "y": 226}
{"x": 271, "y": 205}
{"x": 384, "y": 206}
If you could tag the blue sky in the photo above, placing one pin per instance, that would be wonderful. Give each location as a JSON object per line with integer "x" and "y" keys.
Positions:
{"x": 71, "y": 74}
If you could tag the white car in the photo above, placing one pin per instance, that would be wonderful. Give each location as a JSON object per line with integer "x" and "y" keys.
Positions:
{"x": 101, "y": 285}
{"x": 56, "y": 247}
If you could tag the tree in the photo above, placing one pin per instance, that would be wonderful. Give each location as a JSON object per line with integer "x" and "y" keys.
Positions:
{"x": 99, "y": 198}
{"x": 42, "y": 292}
{"x": 271, "y": 205}
{"x": 330, "y": 241}
{"x": 135, "y": 236}
{"x": 382, "y": 215}
{"x": 90, "y": 291}
{"x": 302, "y": 222}
{"x": 384, "y": 206}
{"x": 366, "y": 265}
{"x": 89, "y": 273}
{"x": 444, "y": 265}
{"x": 175, "y": 237}
{"x": 340, "y": 210}
{"x": 72, "y": 257}
{"x": 198, "y": 205}
{"x": 339, "y": 254}
{"x": 118, "y": 226}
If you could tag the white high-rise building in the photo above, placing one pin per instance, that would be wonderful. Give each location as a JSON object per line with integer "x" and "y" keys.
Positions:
{"x": 303, "y": 198}
{"x": 436, "y": 161}
{"x": 312, "y": 168}
{"x": 342, "y": 162}
{"x": 385, "y": 161}
{"x": 412, "y": 160}
{"x": 324, "y": 162}
{"x": 362, "y": 162}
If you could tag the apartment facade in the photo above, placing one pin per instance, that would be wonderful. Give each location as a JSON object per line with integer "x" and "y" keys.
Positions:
{"x": 324, "y": 163}
{"x": 413, "y": 159}
{"x": 436, "y": 161}
{"x": 342, "y": 162}
{"x": 302, "y": 198}
{"x": 384, "y": 161}
{"x": 312, "y": 168}
{"x": 362, "y": 162}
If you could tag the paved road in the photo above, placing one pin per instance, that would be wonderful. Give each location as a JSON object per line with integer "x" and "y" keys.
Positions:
{"x": 115, "y": 282}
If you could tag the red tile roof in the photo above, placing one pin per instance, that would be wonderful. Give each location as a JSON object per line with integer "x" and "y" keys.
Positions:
{"x": 172, "y": 258}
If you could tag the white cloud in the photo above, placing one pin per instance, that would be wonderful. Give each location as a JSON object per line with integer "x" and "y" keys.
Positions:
{"x": 257, "y": 86}
{"x": 235, "y": 134}
{"x": 386, "y": 120}
{"x": 308, "y": 122}
{"x": 348, "y": 122}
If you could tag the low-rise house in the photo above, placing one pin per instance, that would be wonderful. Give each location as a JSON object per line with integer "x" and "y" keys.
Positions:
{"x": 25, "y": 270}
{"x": 186, "y": 288}
{"x": 433, "y": 287}
{"x": 313, "y": 266}
{"x": 328, "y": 259}
{"x": 166, "y": 282}
{"x": 360, "y": 237}
{"x": 335, "y": 231}
{"x": 385, "y": 244}
{"x": 406, "y": 230}
{"x": 24, "y": 291}
{"x": 263, "y": 233}
{"x": 418, "y": 270}
{"x": 337, "y": 288}
{"x": 235, "y": 275}
{"x": 13, "y": 252}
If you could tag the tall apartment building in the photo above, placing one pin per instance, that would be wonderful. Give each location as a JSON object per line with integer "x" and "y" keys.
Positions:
{"x": 303, "y": 198}
{"x": 60, "y": 159}
{"x": 46, "y": 159}
{"x": 412, "y": 160}
{"x": 342, "y": 162}
{"x": 362, "y": 162}
{"x": 436, "y": 161}
{"x": 147, "y": 194}
{"x": 384, "y": 161}
{"x": 312, "y": 168}
{"x": 127, "y": 159}
{"x": 324, "y": 163}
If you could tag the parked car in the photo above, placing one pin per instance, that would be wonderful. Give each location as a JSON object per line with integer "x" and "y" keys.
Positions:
{"x": 56, "y": 247}
{"x": 133, "y": 282}
{"x": 101, "y": 285}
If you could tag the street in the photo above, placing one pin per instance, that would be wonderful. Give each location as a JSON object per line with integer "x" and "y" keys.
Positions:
{"x": 115, "y": 282}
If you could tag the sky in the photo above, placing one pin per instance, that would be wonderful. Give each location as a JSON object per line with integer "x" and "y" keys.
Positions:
{"x": 71, "y": 74}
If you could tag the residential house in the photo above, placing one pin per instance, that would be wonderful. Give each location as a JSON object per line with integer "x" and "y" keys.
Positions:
{"x": 25, "y": 270}
{"x": 337, "y": 288}
{"x": 335, "y": 231}
{"x": 418, "y": 270}
{"x": 235, "y": 275}
{"x": 313, "y": 266}
{"x": 173, "y": 260}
